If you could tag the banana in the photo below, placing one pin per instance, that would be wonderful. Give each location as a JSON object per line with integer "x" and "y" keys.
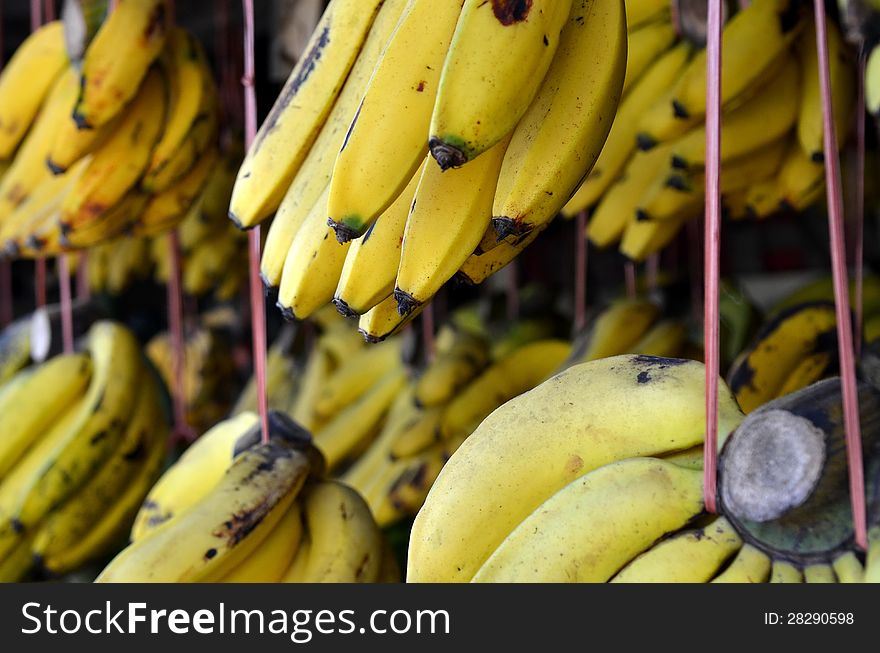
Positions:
{"x": 691, "y": 458}
{"x": 636, "y": 406}
{"x": 800, "y": 182}
{"x": 499, "y": 55}
{"x": 344, "y": 541}
{"x": 644, "y": 46}
{"x": 618, "y": 205}
{"x": 386, "y": 140}
{"x": 169, "y": 207}
{"x": 308, "y": 191}
{"x": 785, "y": 572}
{"x": 420, "y": 432}
{"x": 105, "y": 225}
{"x": 819, "y": 573}
{"x": 117, "y": 60}
{"x": 452, "y": 370}
{"x": 616, "y": 330}
{"x": 560, "y": 136}
{"x": 692, "y": 556}
{"x": 68, "y": 461}
{"x": 750, "y": 565}
{"x": 26, "y": 82}
{"x": 356, "y": 376}
{"x": 757, "y": 122}
{"x": 16, "y": 564}
{"x": 192, "y": 477}
{"x": 407, "y": 491}
{"x": 317, "y": 371}
{"x": 848, "y": 568}
{"x": 28, "y": 168}
{"x": 345, "y": 434}
{"x": 643, "y": 238}
{"x": 15, "y": 349}
{"x": 205, "y": 267}
{"x": 597, "y": 523}
{"x": 371, "y": 262}
{"x": 384, "y": 320}
{"x": 190, "y": 83}
{"x": 275, "y": 554}
{"x": 450, "y": 212}
{"x": 28, "y": 409}
{"x": 313, "y": 265}
{"x": 118, "y": 164}
{"x": 639, "y": 12}
{"x": 778, "y": 349}
{"x": 66, "y": 526}
{"x": 217, "y": 533}
{"x": 872, "y": 77}
{"x": 296, "y": 118}
{"x": 518, "y": 372}
{"x": 752, "y": 40}
{"x": 843, "y": 89}
{"x": 810, "y": 369}
{"x": 872, "y": 559}
{"x": 71, "y": 143}
{"x": 479, "y": 266}
{"x": 666, "y": 338}
{"x": 294, "y": 573}
{"x": 621, "y": 141}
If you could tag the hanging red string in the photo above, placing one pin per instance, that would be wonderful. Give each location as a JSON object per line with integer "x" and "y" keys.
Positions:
{"x": 258, "y": 308}
{"x": 66, "y": 303}
{"x": 48, "y": 11}
{"x": 711, "y": 249}
{"x": 841, "y": 287}
{"x": 40, "y": 282}
{"x": 36, "y": 15}
{"x": 629, "y": 275}
{"x": 83, "y": 291}
{"x": 859, "y": 206}
{"x": 580, "y": 272}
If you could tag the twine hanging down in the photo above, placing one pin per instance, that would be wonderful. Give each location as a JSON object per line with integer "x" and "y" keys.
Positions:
{"x": 258, "y": 308}
{"x": 712, "y": 243}
{"x": 841, "y": 287}
{"x": 859, "y": 207}
{"x": 66, "y": 303}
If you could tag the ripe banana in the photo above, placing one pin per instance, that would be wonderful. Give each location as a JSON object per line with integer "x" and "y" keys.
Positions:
{"x": 298, "y": 114}
{"x": 356, "y": 376}
{"x": 692, "y": 556}
{"x": 639, "y": 12}
{"x": 644, "y": 46}
{"x": 450, "y": 212}
{"x": 785, "y": 572}
{"x": 481, "y": 265}
{"x": 384, "y": 320}
{"x": 452, "y": 369}
{"x": 219, "y": 532}
{"x": 594, "y": 525}
{"x": 499, "y": 55}
{"x": 118, "y": 58}
{"x": 27, "y": 80}
{"x": 386, "y": 140}
{"x": 311, "y": 182}
{"x": 616, "y": 330}
{"x": 560, "y": 136}
{"x": 750, "y": 565}
{"x": 371, "y": 262}
{"x": 273, "y": 557}
{"x": 666, "y": 338}
{"x": 848, "y": 568}
{"x": 636, "y": 406}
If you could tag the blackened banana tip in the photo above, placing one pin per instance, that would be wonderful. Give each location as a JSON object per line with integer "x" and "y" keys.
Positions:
{"x": 679, "y": 111}
{"x": 504, "y": 227}
{"x": 344, "y": 233}
{"x": 446, "y": 155}
{"x": 645, "y": 141}
{"x": 406, "y": 303}
{"x": 343, "y": 308}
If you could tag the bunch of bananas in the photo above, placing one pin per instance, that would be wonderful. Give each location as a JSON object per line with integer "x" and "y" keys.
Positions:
{"x": 649, "y": 178}
{"x": 797, "y": 344}
{"x": 114, "y": 266}
{"x": 122, "y": 143}
{"x": 615, "y": 495}
{"x": 235, "y": 509}
{"x": 83, "y": 441}
{"x": 409, "y": 127}
{"x": 209, "y": 373}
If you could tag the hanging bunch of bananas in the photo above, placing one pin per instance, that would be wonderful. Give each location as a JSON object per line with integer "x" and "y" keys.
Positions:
{"x": 208, "y": 374}
{"x": 649, "y": 178}
{"x": 114, "y": 266}
{"x": 123, "y": 144}
{"x": 407, "y": 127}
{"x": 615, "y": 495}
{"x": 235, "y": 509}
{"x": 83, "y": 441}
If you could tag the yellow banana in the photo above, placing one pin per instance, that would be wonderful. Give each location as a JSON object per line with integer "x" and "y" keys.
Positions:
{"x": 785, "y": 572}
{"x": 666, "y": 338}
{"x": 499, "y": 55}
{"x": 386, "y": 140}
{"x": 643, "y": 238}
{"x": 119, "y": 163}
{"x": 621, "y": 141}
{"x": 450, "y": 212}
{"x": 356, "y": 376}
{"x": 597, "y": 523}
{"x": 800, "y": 181}
{"x": 819, "y": 573}
{"x": 644, "y": 46}
{"x": 26, "y": 81}
{"x": 481, "y": 265}
{"x": 560, "y": 136}
{"x": 116, "y": 61}
{"x": 298, "y": 114}
{"x": 616, "y": 330}
{"x": 692, "y": 556}
{"x": 384, "y": 320}
{"x": 639, "y": 12}
{"x": 848, "y": 568}
{"x": 452, "y": 369}
{"x": 272, "y": 559}
{"x": 371, "y": 262}
{"x": 750, "y": 565}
